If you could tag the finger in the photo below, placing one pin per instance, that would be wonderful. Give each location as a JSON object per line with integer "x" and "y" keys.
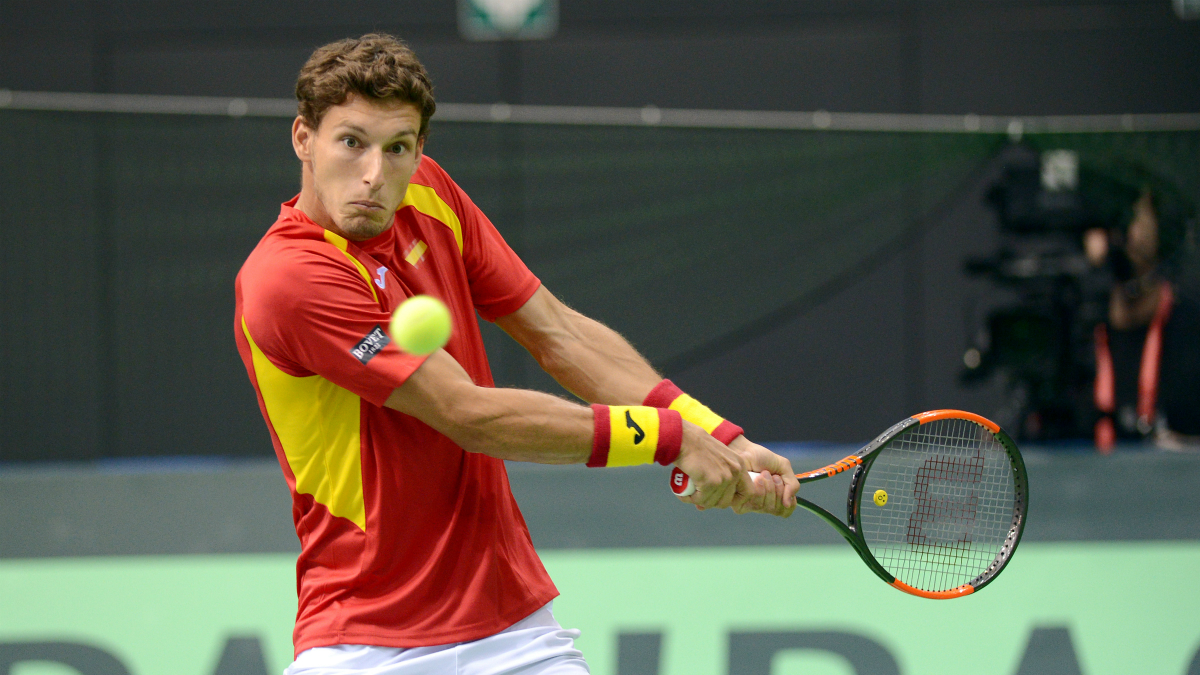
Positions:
{"x": 742, "y": 503}
{"x": 736, "y": 481}
{"x": 753, "y": 498}
{"x": 693, "y": 499}
{"x": 781, "y": 503}
{"x": 747, "y": 503}
{"x": 710, "y": 495}
{"x": 791, "y": 489}
{"x": 721, "y": 496}
{"x": 766, "y": 489}
{"x": 728, "y": 490}
{"x": 771, "y": 500}
{"x": 786, "y": 510}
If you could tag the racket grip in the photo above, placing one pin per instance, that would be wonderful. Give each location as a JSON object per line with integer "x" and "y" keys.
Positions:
{"x": 682, "y": 485}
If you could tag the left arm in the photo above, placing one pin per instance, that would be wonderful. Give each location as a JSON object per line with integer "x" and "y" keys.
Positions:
{"x": 586, "y": 357}
{"x": 596, "y": 364}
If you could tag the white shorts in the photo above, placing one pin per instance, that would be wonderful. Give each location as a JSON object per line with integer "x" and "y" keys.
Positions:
{"x": 535, "y": 645}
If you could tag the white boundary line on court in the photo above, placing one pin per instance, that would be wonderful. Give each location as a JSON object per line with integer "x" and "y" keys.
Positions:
{"x": 503, "y": 113}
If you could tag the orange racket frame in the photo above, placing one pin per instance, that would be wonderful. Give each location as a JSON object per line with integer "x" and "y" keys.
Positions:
{"x": 861, "y": 463}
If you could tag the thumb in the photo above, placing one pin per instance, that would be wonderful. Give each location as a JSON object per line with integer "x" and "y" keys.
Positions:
{"x": 776, "y": 464}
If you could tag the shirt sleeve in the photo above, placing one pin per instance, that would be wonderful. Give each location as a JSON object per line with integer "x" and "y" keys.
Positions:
{"x": 500, "y": 282}
{"x": 312, "y": 314}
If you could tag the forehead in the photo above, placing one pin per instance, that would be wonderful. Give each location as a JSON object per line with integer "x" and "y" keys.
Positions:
{"x": 387, "y": 117}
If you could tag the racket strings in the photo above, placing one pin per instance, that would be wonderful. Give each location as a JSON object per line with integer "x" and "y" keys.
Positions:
{"x": 951, "y": 498}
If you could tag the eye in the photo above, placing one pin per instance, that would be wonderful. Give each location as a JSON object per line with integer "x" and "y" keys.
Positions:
{"x": 398, "y": 149}
{"x": 350, "y": 142}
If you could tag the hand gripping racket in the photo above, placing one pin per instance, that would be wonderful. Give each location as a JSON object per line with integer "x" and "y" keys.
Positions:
{"x": 936, "y": 506}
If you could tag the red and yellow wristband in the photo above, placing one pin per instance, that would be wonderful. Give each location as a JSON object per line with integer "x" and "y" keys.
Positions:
{"x": 626, "y": 435}
{"x": 666, "y": 395}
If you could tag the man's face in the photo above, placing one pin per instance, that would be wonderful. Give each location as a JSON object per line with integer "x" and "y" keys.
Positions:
{"x": 358, "y": 163}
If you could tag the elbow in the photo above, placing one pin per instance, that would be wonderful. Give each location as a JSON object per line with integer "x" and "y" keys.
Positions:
{"x": 558, "y": 351}
{"x": 552, "y": 358}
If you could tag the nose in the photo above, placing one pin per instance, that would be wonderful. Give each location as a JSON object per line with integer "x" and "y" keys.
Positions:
{"x": 373, "y": 171}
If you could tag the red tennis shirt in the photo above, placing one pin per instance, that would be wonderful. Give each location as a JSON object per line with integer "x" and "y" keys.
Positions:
{"x": 407, "y": 540}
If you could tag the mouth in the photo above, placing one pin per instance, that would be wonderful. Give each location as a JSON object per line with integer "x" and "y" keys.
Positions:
{"x": 367, "y": 205}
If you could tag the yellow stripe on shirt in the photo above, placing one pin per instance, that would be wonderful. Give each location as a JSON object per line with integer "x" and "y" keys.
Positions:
{"x": 317, "y": 423}
{"x": 340, "y": 242}
{"x": 426, "y": 200}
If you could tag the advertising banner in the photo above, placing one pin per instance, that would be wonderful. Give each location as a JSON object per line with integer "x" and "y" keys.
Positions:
{"x": 1087, "y": 608}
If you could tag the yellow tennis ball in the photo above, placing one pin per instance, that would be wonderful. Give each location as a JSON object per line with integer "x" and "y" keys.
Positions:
{"x": 420, "y": 325}
{"x": 880, "y": 497}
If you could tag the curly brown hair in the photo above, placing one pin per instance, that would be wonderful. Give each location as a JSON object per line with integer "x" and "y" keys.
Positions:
{"x": 375, "y": 66}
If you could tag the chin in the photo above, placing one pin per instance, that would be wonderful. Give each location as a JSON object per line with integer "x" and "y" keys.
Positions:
{"x": 360, "y": 228}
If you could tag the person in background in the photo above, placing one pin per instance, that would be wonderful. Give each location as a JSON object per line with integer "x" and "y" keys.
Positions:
{"x": 1147, "y": 384}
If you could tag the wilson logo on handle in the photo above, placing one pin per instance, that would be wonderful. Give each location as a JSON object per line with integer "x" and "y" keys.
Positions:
{"x": 679, "y": 481}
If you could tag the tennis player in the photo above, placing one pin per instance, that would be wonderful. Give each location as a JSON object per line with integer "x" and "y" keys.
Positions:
{"x": 415, "y": 558}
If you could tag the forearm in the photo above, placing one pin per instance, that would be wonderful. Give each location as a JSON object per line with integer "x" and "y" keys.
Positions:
{"x": 600, "y": 366}
{"x": 525, "y": 426}
{"x": 514, "y": 424}
{"x": 586, "y": 357}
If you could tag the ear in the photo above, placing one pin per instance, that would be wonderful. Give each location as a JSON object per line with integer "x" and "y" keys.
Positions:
{"x": 420, "y": 150}
{"x": 302, "y": 138}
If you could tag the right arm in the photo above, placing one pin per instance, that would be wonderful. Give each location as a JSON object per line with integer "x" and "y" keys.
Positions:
{"x": 530, "y": 426}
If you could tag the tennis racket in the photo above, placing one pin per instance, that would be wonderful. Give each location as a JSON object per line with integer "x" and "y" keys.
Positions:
{"x": 937, "y": 503}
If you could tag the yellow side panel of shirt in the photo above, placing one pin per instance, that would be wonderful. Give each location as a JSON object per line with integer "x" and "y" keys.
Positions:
{"x": 317, "y": 423}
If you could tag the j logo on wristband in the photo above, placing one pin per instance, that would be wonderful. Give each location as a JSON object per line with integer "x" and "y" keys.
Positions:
{"x": 638, "y": 434}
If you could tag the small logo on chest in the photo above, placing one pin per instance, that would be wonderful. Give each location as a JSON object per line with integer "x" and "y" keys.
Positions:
{"x": 415, "y": 252}
{"x": 381, "y": 280}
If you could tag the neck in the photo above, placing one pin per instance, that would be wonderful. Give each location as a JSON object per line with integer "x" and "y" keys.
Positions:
{"x": 310, "y": 204}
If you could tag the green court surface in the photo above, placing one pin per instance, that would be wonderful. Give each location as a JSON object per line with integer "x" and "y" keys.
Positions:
{"x": 1116, "y": 608}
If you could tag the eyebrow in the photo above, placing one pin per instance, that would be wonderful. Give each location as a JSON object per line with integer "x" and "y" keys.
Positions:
{"x": 363, "y": 132}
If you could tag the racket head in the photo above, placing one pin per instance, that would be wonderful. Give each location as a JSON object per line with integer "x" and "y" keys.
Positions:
{"x": 939, "y": 503}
